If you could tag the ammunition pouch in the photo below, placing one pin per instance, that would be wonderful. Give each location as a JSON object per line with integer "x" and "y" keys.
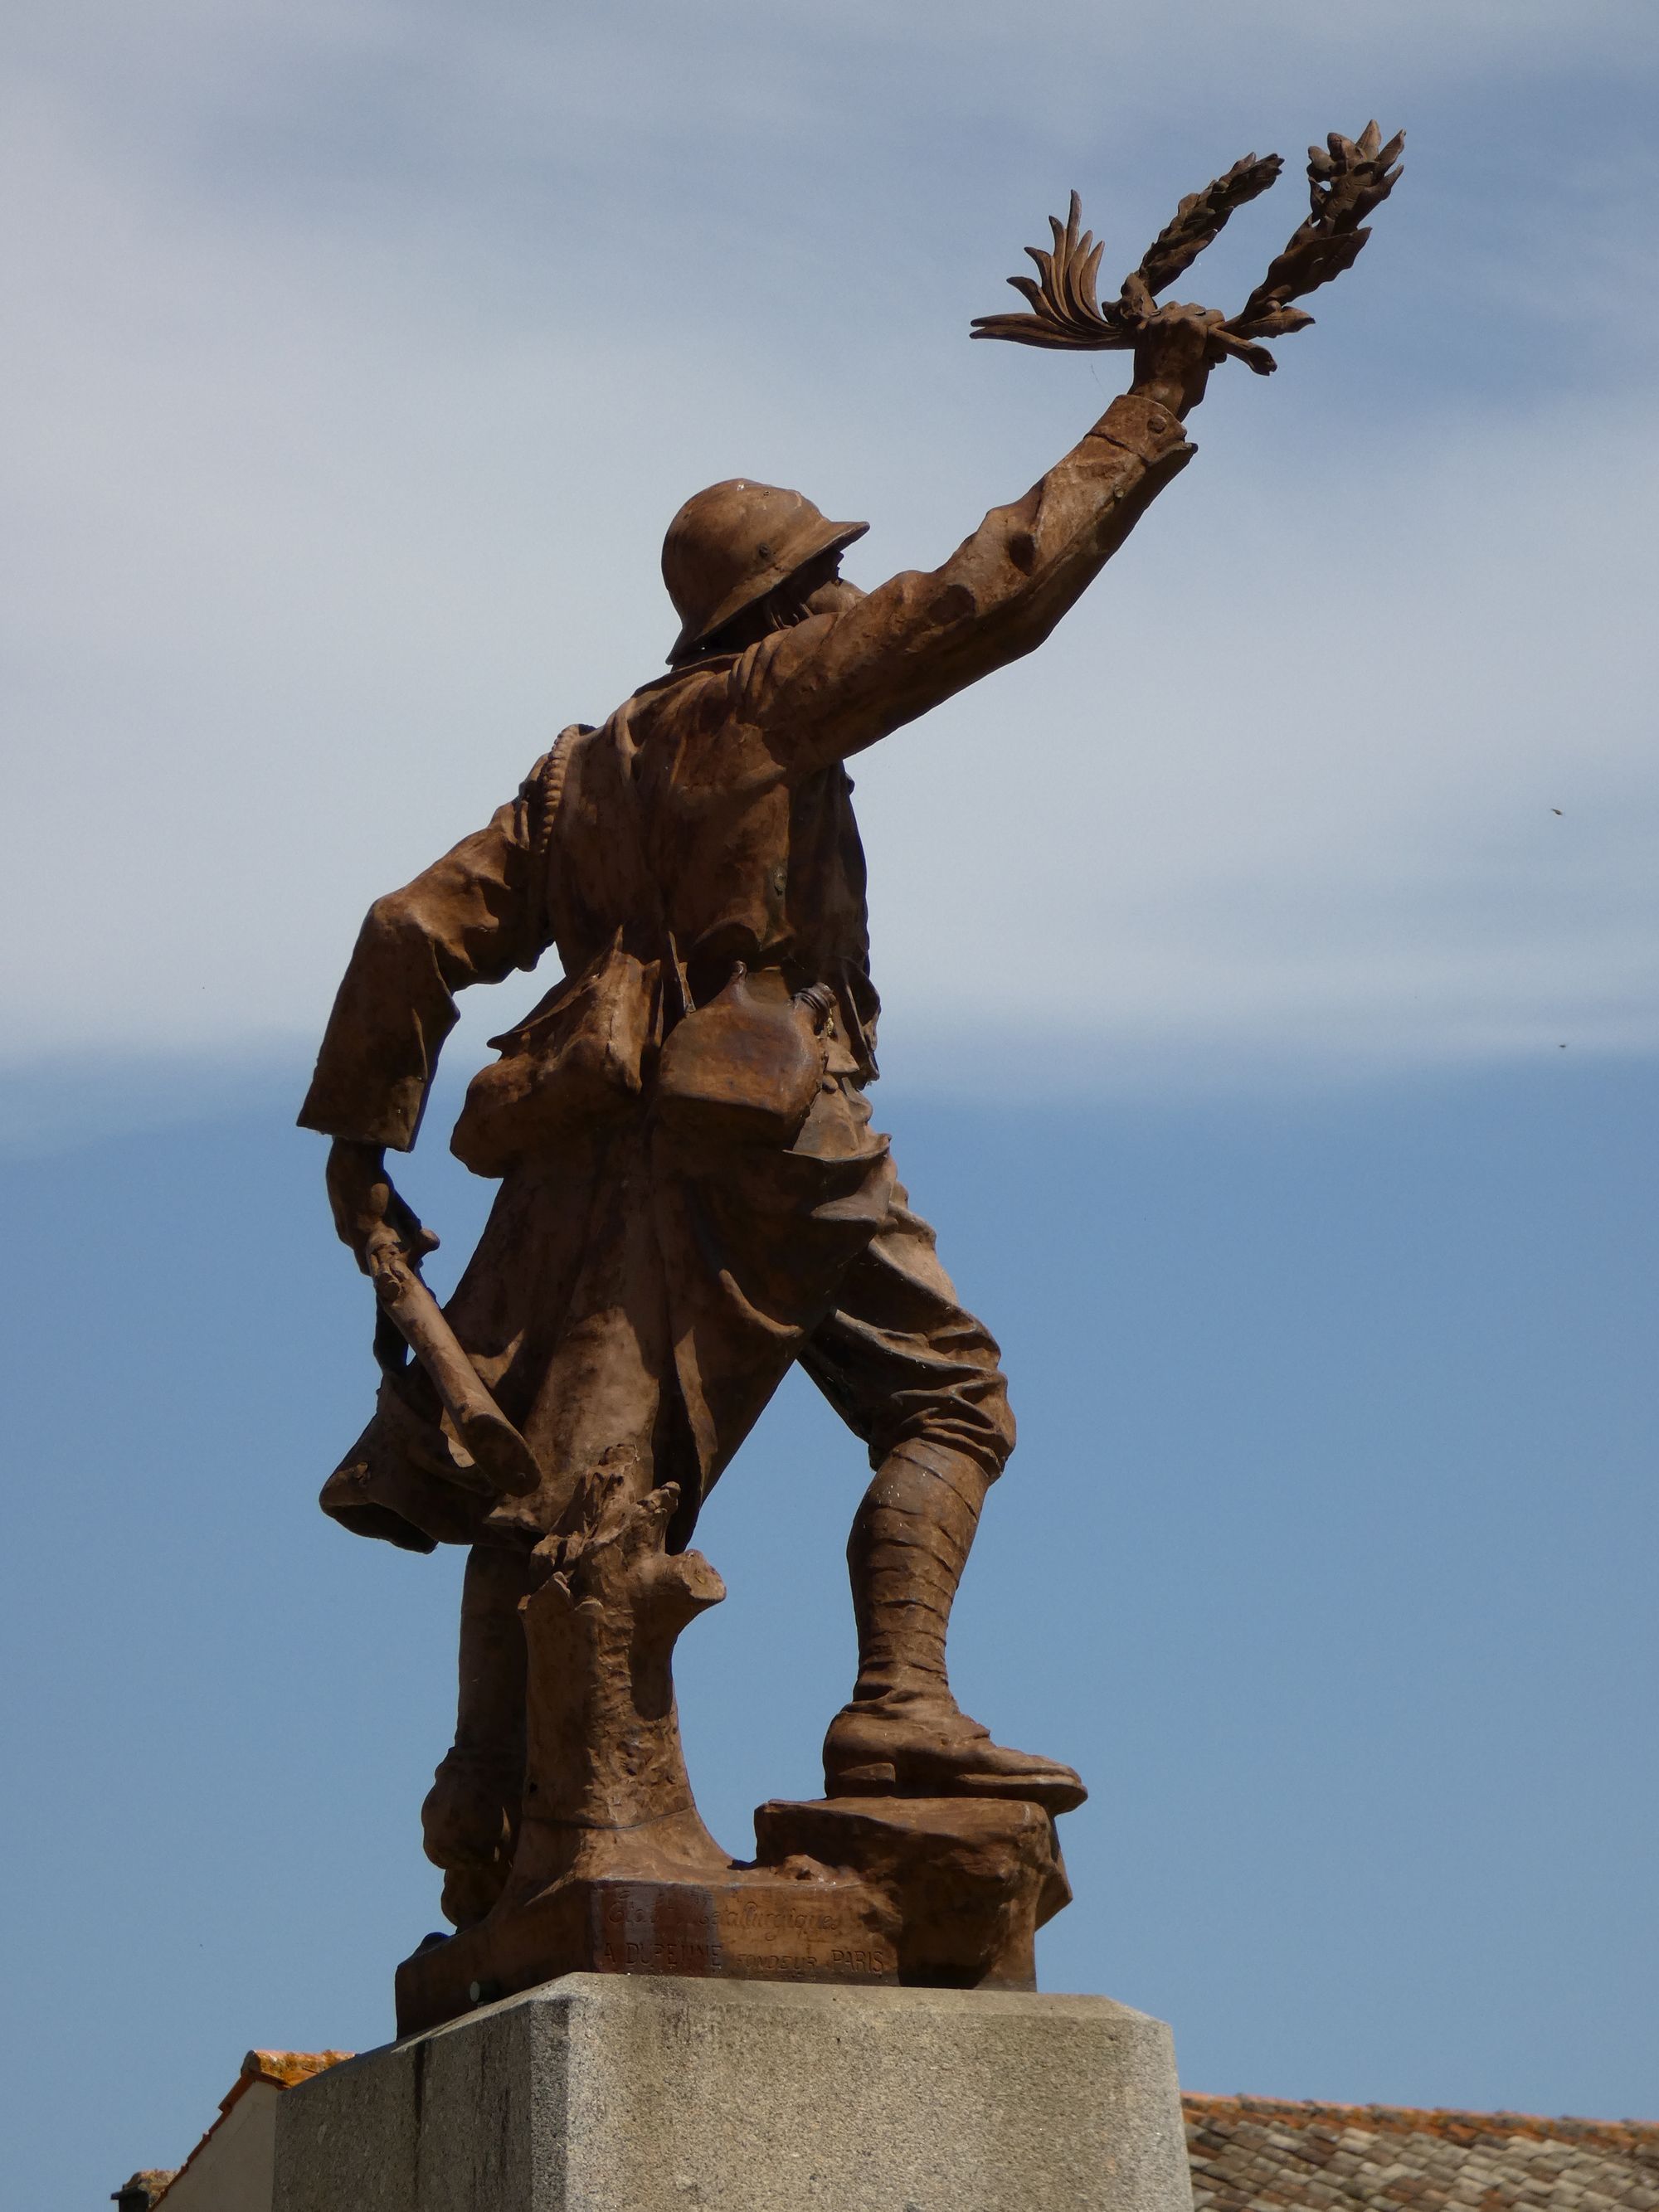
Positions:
{"x": 576, "y": 1057}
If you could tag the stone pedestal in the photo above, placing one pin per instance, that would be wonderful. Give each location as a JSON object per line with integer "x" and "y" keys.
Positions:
{"x": 639, "y": 2094}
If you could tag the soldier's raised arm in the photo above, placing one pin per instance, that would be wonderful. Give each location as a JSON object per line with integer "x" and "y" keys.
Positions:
{"x": 839, "y": 682}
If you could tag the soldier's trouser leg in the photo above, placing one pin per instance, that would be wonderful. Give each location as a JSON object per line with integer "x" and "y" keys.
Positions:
{"x": 920, "y": 1379}
{"x": 470, "y": 1820}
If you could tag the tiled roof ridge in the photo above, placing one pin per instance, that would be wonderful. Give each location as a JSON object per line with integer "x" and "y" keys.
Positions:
{"x": 283, "y": 2069}
{"x": 1640, "y": 2136}
{"x": 287, "y": 2068}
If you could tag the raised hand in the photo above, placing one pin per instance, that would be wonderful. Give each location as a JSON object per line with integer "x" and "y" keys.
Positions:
{"x": 1175, "y": 352}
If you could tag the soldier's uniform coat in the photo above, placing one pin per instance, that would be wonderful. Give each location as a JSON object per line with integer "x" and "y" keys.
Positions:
{"x": 631, "y": 1294}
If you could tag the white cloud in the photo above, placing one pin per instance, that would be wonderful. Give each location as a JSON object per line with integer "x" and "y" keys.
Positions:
{"x": 1286, "y": 787}
{"x": 364, "y": 353}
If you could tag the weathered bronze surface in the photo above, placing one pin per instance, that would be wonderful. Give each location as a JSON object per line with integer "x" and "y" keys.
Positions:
{"x": 969, "y": 1883}
{"x": 692, "y": 1200}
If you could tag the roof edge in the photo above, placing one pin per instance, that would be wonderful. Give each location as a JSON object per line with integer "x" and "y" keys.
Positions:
{"x": 1452, "y": 2121}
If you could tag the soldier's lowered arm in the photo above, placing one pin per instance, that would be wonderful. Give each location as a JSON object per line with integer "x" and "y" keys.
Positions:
{"x": 471, "y": 917}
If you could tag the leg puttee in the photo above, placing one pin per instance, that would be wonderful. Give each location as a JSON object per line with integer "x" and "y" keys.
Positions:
{"x": 903, "y": 1735}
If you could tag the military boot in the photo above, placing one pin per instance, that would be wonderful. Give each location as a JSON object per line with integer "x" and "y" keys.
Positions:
{"x": 903, "y": 1735}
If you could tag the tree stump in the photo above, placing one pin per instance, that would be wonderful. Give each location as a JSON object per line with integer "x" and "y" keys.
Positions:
{"x": 613, "y": 1871}
{"x": 606, "y": 1785}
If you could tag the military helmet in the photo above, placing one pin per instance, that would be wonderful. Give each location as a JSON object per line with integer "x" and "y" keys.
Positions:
{"x": 731, "y": 545}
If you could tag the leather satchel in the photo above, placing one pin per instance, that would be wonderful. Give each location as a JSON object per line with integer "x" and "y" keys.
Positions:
{"x": 746, "y": 1067}
{"x": 575, "y": 1058}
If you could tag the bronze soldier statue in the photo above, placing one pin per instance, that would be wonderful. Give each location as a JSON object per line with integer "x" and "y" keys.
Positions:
{"x": 692, "y": 1197}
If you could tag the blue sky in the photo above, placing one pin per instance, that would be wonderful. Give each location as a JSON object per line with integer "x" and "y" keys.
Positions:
{"x": 1278, "y": 1063}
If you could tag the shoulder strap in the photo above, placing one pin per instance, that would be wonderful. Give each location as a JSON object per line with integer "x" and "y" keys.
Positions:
{"x": 549, "y": 785}
{"x": 545, "y": 789}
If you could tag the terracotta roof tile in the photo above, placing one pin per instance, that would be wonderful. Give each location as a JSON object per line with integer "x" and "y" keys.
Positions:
{"x": 285, "y": 2068}
{"x": 1261, "y": 2153}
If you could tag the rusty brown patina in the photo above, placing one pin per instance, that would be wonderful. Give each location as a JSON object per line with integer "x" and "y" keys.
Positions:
{"x": 694, "y": 1200}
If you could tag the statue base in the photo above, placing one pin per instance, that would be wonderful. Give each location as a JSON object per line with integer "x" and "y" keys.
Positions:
{"x": 753, "y": 1922}
{"x": 969, "y": 1880}
{"x": 637, "y": 2093}
{"x": 942, "y": 1892}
